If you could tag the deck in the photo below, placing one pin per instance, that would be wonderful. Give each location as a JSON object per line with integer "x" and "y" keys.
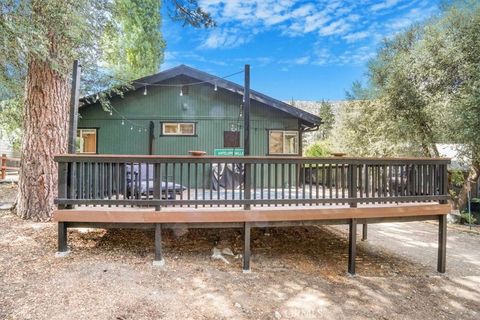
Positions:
{"x": 117, "y": 191}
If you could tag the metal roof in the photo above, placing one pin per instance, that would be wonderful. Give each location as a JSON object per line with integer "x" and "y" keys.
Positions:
{"x": 307, "y": 119}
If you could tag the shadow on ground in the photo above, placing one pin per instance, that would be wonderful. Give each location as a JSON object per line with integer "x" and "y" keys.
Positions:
{"x": 298, "y": 273}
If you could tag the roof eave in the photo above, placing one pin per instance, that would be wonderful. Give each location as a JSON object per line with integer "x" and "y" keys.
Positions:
{"x": 306, "y": 117}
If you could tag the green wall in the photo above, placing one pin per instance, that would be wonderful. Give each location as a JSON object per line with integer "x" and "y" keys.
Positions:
{"x": 213, "y": 111}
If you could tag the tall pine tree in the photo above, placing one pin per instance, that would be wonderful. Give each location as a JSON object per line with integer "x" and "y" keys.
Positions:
{"x": 38, "y": 42}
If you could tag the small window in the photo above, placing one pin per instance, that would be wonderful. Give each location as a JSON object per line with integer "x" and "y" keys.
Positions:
{"x": 231, "y": 139}
{"x": 178, "y": 128}
{"x": 86, "y": 141}
{"x": 282, "y": 142}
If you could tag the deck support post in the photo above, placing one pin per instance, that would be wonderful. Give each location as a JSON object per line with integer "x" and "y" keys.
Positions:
{"x": 159, "y": 261}
{"x": 352, "y": 243}
{"x": 364, "y": 232}
{"x": 62, "y": 240}
{"x": 246, "y": 247}
{"x": 442, "y": 243}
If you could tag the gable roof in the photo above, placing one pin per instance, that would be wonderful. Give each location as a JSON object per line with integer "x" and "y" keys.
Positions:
{"x": 307, "y": 119}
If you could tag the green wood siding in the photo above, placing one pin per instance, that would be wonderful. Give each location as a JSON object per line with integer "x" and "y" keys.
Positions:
{"x": 213, "y": 111}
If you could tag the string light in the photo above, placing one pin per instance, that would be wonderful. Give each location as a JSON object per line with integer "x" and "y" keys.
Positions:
{"x": 145, "y": 92}
{"x": 132, "y": 124}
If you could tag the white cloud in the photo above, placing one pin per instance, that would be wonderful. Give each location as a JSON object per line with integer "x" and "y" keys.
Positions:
{"x": 224, "y": 38}
{"x": 356, "y": 36}
{"x": 345, "y": 27}
{"x": 413, "y": 15}
{"x": 336, "y": 27}
{"x": 302, "y": 60}
{"x": 303, "y": 11}
{"x": 296, "y": 61}
{"x": 384, "y": 5}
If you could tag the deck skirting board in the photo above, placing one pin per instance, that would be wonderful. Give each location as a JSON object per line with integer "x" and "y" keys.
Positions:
{"x": 255, "y": 215}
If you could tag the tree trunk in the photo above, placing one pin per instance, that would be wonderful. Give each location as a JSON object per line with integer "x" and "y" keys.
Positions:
{"x": 473, "y": 176}
{"x": 45, "y": 123}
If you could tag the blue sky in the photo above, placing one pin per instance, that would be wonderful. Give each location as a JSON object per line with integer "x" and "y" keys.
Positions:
{"x": 305, "y": 50}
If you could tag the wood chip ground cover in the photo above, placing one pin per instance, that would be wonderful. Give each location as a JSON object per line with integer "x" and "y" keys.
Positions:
{"x": 298, "y": 273}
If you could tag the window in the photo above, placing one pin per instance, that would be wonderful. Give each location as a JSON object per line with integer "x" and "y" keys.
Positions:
{"x": 87, "y": 141}
{"x": 282, "y": 142}
{"x": 231, "y": 139}
{"x": 178, "y": 128}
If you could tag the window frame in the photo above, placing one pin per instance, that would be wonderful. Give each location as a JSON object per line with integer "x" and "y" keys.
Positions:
{"x": 178, "y": 123}
{"x": 283, "y": 131}
{"x": 79, "y": 130}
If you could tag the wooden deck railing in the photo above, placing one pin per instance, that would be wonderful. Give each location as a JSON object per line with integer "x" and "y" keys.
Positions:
{"x": 8, "y": 165}
{"x": 159, "y": 181}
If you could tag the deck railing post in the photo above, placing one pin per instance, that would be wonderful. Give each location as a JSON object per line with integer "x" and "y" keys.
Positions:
{"x": 62, "y": 182}
{"x": 247, "y": 185}
{"x": 443, "y": 182}
{"x": 3, "y": 167}
{"x": 157, "y": 181}
{"x": 352, "y": 173}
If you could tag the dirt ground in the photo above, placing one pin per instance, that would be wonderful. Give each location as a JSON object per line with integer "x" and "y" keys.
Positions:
{"x": 297, "y": 273}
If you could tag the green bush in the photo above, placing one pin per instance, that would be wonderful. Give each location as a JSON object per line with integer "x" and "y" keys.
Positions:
{"x": 457, "y": 178}
{"x": 318, "y": 149}
{"x": 470, "y": 219}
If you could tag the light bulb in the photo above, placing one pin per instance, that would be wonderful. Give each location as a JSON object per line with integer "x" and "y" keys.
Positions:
{"x": 181, "y": 92}
{"x": 131, "y": 128}
{"x": 215, "y": 89}
{"x": 145, "y": 91}
{"x": 111, "y": 112}
{"x": 123, "y": 122}
{"x": 139, "y": 130}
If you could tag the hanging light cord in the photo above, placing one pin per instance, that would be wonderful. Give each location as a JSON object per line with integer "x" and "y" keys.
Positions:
{"x": 134, "y": 125}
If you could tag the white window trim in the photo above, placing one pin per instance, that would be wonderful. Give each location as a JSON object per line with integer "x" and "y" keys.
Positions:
{"x": 284, "y": 133}
{"x": 178, "y": 133}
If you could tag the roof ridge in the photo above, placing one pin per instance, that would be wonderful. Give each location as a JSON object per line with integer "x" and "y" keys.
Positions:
{"x": 310, "y": 119}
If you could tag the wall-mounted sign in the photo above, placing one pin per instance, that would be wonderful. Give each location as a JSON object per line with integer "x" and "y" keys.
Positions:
{"x": 228, "y": 152}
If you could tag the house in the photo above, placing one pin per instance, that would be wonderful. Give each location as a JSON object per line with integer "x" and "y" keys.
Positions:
{"x": 183, "y": 109}
{"x": 7, "y": 145}
{"x": 459, "y": 162}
